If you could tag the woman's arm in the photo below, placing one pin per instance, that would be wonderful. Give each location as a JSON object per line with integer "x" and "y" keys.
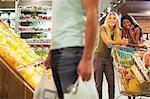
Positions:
{"x": 106, "y": 40}
{"x": 138, "y": 32}
{"x": 135, "y": 38}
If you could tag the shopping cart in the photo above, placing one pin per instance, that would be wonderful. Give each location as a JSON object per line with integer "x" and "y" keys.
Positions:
{"x": 133, "y": 73}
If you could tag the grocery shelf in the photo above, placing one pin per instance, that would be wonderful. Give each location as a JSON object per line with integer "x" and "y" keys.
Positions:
{"x": 32, "y": 10}
{"x": 39, "y": 44}
{"x": 29, "y": 20}
{"x": 29, "y": 65}
{"x": 7, "y": 18}
{"x": 33, "y": 31}
{"x": 33, "y": 18}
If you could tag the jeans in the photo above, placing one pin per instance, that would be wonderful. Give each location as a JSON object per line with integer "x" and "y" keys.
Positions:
{"x": 64, "y": 68}
{"x": 102, "y": 65}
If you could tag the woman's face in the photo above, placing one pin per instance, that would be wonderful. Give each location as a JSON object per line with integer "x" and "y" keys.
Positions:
{"x": 126, "y": 24}
{"x": 112, "y": 20}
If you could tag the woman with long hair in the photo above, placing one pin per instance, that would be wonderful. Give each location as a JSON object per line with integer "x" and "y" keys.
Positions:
{"x": 131, "y": 29}
{"x": 109, "y": 35}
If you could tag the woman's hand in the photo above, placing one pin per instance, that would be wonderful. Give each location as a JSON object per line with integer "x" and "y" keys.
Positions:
{"x": 124, "y": 41}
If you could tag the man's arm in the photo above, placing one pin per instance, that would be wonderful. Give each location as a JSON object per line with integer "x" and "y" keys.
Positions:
{"x": 47, "y": 62}
{"x": 91, "y": 7}
{"x": 138, "y": 33}
{"x": 135, "y": 38}
{"x": 85, "y": 65}
{"x": 108, "y": 41}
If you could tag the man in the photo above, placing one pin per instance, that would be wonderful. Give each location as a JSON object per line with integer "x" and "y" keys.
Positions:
{"x": 74, "y": 32}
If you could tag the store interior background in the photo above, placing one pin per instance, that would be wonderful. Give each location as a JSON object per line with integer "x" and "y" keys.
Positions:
{"x": 139, "y": 9}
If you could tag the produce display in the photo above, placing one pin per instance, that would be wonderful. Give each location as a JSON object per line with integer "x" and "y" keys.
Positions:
{"x": 132, "y": 67}
{"x": 34, "y": 74}
{"x": 17, "y": 53}
{"x": 14, "y": 50}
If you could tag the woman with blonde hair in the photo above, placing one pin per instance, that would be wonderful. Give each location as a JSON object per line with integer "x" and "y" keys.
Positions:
{"x": 109, "y": 35}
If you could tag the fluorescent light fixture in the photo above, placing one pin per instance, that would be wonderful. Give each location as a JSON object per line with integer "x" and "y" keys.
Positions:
{"x": 108, "y": 9}
{"x": 115, "y": 5}
{"x": 147, "y": 12}
{"x": 119, "y": 1}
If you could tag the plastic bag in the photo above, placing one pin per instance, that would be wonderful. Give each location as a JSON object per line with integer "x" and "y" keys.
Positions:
{"x": 46, "y": 89}
{"x": 84, "y": 90}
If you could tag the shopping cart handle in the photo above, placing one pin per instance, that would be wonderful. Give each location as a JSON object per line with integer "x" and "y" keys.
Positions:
{"x": 136, "y": 45}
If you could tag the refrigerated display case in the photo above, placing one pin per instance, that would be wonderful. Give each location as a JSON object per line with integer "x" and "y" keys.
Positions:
{"x": 8, "y": 16}
{"x": 34, "y": 22}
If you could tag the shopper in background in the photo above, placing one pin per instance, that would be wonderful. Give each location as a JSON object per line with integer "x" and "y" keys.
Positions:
{"x": 73, "y": 37}
{"x": 109, "y": 35}
{"x": 130, "y": 29}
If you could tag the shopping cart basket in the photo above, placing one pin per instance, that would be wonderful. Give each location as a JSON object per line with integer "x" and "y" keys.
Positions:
{"x": 133, "y": 74}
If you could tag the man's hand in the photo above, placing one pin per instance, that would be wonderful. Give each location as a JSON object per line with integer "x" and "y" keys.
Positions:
{"x": 47, "y": 62}
{"x": 85, "y": 65}
{"x": 85, "y": 69}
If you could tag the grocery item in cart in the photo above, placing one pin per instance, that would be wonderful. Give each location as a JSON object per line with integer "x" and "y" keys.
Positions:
{"x": 133, "y": 78}
{"x": 146, "y": 59}
{"x": 138, "y": 74}
{"x": 141, "y": 65}
{"x": 134, "y": 86}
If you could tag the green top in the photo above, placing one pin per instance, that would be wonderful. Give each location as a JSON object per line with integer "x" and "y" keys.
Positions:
{"x": 102, "y": 49}
{"x": 69, "y": 18}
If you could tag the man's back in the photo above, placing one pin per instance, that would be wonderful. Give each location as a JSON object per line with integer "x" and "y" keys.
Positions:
{"x": 68, "y": 23}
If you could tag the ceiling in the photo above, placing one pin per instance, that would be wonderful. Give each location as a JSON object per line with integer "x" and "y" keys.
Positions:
{"x": 7, "y": 4}
{"x": 135, "y": 7}
{"x": 103, "y": 4}
{"x": 132, "y": 7}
